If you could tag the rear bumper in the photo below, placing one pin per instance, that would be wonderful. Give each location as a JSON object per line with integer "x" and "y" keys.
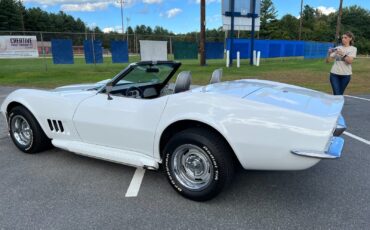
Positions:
{"x": 335, "y": 145}
{"x": 335, "y": 150}
{"x": 341, "y": 126}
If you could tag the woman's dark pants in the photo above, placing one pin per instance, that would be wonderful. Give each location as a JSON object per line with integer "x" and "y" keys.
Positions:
{"x": 339, "y": 83}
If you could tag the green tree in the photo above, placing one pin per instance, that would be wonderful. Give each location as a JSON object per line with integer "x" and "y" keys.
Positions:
{"x": 11, "y": 15}
{"x": 131, "y": 39}
{"x": 288, "y": 28}
{"x": 36, "y": 19}
{"x": 357, "y": 19}
{"x": 322, "y": 31}
{"x": 268, "y": 18}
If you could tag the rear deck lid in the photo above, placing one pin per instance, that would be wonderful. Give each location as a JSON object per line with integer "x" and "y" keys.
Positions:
{"x": 280, "y": 95}
{"x": 298, "y": 99}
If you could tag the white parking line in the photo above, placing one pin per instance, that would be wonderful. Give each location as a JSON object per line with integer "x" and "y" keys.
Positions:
{"x": 360, "y": 98}
{"x": 134, "y": 187}
{"x": 357, "y": 138}
{"x": 3, "y": 95}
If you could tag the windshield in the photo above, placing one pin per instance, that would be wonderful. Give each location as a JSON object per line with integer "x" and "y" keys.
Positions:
{"x": 151, "y": 73}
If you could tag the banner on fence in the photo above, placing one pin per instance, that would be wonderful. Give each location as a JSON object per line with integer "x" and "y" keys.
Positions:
{"x": 280, "y": 48}
{"x": 185, "y": 50}
{"x": 316, "y": 50}
{"x": 119, "y": 50}
{"x": 62, "y": 51}
{"x": 153, "y": 50}
{"x": 18, "y": 47}
{"x": 215, "y": 50}
{"x": 93, "y": 50}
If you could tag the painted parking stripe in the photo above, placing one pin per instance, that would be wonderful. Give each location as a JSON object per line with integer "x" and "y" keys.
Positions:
{"x": 135, "y": 184}
{"x": 360, "y": 98}
{"x": 3, "y": 95}
{"x": 357, "y": 138}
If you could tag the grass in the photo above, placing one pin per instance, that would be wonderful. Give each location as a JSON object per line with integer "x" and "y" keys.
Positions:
{"x": 307, "y": 73}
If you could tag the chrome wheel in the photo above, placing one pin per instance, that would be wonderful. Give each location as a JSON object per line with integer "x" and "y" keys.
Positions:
{"x": 192, "y": 167}
{"x": 21, "y": 130}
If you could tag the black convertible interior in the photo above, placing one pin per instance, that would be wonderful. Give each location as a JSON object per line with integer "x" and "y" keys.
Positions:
{"x": 150, "y": 79}
{"x": 144, "y": 79}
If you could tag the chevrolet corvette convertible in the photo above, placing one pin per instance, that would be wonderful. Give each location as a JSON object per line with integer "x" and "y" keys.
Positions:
{"x": 198, "y": 135}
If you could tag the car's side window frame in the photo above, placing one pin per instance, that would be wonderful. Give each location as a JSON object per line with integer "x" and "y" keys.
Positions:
{"x": 131, "y": 67}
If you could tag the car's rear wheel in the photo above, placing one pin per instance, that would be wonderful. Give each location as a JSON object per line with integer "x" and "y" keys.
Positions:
{"x": 198, "y": 163}
{"x": 25, "y": 131}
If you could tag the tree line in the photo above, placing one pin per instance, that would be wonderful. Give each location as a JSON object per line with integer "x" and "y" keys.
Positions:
{"x": 316, "y": 26}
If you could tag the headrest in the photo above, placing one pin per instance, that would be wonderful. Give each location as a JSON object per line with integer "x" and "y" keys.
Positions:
{"x": 216, "y": 76}
{"x": 183, "y": 82}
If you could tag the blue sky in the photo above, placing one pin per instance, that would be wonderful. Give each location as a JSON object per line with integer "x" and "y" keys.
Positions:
{"x": 178, "y": 16}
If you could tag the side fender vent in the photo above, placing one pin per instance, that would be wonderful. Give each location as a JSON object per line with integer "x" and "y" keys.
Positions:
{"x": 61, "y": 126}
{"x": 50, "y": 125}
{"x": 56, "y": 126}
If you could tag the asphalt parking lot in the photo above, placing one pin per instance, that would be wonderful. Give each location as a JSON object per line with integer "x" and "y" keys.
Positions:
{"x": 60, "y": 190}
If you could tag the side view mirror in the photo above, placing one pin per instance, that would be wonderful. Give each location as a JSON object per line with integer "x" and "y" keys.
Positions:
{"x": 108, "y": 89}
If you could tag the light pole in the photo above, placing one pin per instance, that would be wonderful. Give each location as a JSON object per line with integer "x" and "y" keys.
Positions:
{"x": 300, "y": 21}
{"x": 127, "y": 20}
{"x": 121, "y": 2}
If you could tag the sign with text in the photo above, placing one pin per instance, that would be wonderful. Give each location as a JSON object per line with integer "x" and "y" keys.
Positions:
{"x": 243, "y": 12}
{"x": 18, "y": 47}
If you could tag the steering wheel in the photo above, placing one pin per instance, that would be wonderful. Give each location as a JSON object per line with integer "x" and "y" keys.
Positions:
{"x": 134, "y": 92}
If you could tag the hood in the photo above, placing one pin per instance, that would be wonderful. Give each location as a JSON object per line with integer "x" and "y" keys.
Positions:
{"x": 82, "y": 87}
{"x": 281, "y": 95}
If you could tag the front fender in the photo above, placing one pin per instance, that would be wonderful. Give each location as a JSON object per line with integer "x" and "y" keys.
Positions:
{"x": 19, "y": 97}
{"x": 50, "y": 105}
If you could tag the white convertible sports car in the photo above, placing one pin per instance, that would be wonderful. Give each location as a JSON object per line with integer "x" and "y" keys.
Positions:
{"x": 199, "y": 135}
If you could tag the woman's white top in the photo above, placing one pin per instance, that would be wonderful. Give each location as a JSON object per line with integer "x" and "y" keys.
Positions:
{"x": 340, "y": 67}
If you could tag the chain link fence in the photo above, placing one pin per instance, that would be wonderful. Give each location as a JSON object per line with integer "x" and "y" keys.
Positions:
{"x": 44, "y": 40}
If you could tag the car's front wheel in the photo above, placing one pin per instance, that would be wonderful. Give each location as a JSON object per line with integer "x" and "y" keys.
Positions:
{"x": 25, "y": 131}
{"x": 198, "y": 163}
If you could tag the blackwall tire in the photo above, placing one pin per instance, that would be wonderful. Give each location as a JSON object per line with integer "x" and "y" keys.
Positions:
{"x": 26, "y": 132}
{"x": 198, "y": 163}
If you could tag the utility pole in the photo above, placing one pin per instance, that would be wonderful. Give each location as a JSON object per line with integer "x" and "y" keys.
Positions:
{"x": 300, "y": 21}
{"x": 121, "y": 2}
{"x": 202, "y": 32}
{"x": 86, "y": 31}
{"x": 232, "y": 15}
{"x": 338, "y": 22}
{"x": 21, "y": 12}
{"x": 252, "y": 31}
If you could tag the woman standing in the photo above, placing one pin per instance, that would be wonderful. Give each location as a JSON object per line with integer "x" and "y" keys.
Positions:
{"x": 341, "y": 72}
